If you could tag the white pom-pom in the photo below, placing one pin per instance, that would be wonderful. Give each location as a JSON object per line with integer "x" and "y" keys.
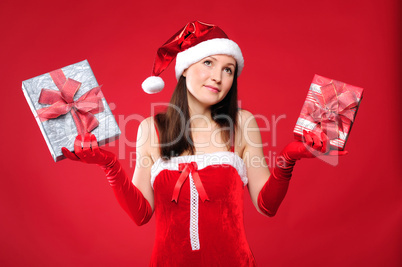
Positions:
{"x": 153, "y": 84}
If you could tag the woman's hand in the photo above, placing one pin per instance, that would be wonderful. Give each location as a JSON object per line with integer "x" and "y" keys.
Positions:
{"x": 86, "y": 150}
{"x": 312, "y": 146}
{"x": 131, "y": 199}
{"x": 274, "y": 190}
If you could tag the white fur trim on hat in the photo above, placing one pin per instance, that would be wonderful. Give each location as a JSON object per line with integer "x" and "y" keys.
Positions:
{"x": 153, "y": 85}
{"x": 207, "y": 48}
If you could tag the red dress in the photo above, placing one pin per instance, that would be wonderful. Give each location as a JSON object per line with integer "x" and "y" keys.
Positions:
{"x": 199, "y": 211}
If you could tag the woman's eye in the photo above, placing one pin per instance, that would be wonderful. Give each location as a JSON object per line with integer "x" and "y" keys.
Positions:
{"x": 207, "y": 62}
{"x": 228, "y": 70}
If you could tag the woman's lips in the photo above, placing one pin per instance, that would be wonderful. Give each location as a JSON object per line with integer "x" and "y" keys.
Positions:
{"x": 212, "y": 88}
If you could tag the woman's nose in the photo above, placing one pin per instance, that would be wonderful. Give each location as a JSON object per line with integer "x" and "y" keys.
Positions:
{"x": 216, "y": 75}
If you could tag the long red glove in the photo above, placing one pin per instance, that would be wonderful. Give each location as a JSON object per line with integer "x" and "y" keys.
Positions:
{"x": 130, "y": 198}
{"x": 274, "y": 190}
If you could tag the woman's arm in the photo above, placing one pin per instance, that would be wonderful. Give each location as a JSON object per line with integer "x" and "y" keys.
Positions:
{"x": 136, "y": 197}
{"x": 253, "y": 155}
{"x": 268, "y": 190}
{"x": 144, "y": 147}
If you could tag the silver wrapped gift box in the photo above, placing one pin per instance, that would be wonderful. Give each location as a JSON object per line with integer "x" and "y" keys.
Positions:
{"x": 61, "y": 131}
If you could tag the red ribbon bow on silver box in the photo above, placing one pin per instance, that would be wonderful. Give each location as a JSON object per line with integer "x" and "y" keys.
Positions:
{"x": 82, "y": 110}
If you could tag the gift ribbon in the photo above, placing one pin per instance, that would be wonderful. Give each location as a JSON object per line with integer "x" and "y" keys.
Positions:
{"x": 186, "y": 169}
{"x": 333, "y": 108}
{"x": 62, "y": 102}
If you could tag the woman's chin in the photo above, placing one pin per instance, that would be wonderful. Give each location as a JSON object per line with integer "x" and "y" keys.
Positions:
{"x": 208, "y": 98}
{"x": 210, "y": 101}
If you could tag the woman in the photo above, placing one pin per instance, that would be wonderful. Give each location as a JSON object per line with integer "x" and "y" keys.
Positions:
{"x": 207, "y": 152}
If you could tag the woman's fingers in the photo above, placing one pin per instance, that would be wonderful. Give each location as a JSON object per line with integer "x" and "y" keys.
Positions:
{"x": 68, "y": 154}
{"x": 78, "y": 143}
{"x": 317, "y": 143}
{"x": 94, "y": 144}
{"x": 313, "y": 141}
{"x": 86, "y": 149}
{"x": 86, "y": 144}
{"x": 320, "y": 145}
{"x": 78, "y": 146}
{"x": 307, "y": 138}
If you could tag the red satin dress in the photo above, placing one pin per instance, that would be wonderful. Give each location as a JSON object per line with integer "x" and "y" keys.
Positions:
{"x": 199, "y": 211}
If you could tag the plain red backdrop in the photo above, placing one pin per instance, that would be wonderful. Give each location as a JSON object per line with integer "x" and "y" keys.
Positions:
{"x": 64, "y": 214}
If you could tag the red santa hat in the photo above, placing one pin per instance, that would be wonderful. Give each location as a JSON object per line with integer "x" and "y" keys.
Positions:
{"x": 194, "y": 42}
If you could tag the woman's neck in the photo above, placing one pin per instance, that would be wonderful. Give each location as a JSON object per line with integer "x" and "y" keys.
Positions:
{"x": 200, "y": 114}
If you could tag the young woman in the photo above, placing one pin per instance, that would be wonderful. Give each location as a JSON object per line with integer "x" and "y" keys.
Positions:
{"x": 207, "y": 151}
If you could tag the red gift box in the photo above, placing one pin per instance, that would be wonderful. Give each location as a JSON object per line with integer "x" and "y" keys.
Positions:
{"x": 330, "y": 107}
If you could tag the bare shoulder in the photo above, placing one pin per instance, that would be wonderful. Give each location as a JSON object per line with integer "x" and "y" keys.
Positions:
{"x": 245, "y": 114}
{"x": 146, "y": 124}
{"x": 250, "y": 133}
{"x": 245, "y": 119}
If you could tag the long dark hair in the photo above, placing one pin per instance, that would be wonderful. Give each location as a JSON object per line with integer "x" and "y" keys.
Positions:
{"x": 174, "y": 129}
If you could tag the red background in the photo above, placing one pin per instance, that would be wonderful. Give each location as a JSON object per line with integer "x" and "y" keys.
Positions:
{"x": 64, "y": 214}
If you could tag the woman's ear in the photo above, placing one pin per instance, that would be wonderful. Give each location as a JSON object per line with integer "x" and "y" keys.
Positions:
{"x": 184, "y": 73}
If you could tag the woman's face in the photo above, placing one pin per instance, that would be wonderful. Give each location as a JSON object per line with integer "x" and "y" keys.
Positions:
{"x": 210, "y": 79}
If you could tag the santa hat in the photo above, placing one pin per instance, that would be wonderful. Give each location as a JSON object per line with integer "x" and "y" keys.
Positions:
{"x": 194, "y": 42}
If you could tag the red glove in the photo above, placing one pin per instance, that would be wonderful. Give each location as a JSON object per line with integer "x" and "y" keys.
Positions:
{"x": 274, "y": 190}
{"x": 86, "y": 150}
{"x": 130, "y": 198}
{"x": 312, "y": 146}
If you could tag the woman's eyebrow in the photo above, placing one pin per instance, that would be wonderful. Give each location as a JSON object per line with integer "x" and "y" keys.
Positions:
{"x": 233, "y": 64}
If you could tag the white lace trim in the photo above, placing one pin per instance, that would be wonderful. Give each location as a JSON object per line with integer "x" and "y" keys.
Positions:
{"x": 194, "y": 238}
{"x": 203, "y": 160}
